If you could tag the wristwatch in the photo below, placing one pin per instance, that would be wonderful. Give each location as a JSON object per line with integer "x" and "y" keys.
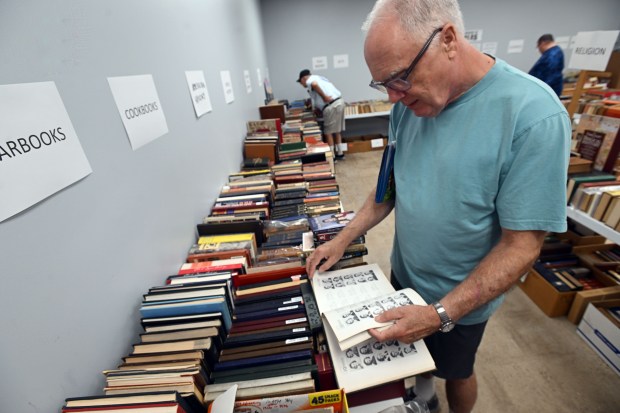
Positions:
{"x": 446, "y": 322}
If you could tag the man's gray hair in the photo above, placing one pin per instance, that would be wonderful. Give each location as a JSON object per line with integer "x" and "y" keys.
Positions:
{"x": 418, "y": 17}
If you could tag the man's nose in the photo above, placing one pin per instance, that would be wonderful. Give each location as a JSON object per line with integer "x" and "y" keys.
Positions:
{"x": 395, "y": 95}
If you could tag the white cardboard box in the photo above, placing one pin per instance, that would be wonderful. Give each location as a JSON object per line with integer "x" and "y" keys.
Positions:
{"x": 601, "y": 334}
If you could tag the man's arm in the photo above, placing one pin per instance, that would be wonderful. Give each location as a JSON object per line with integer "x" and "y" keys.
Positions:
{"x": 317, "y": 88}
{"x": 496, "y": 273}
{"x": 367, "y": 217}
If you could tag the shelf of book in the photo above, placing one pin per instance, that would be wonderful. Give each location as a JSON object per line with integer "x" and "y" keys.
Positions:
{"x": 595, "y": 225}
{"x": 367, "y": 115}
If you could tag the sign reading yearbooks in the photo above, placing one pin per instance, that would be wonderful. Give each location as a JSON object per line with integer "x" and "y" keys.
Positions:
{"x": 198, "y": 91}
{"x": 138, "y": 104}
{"x": 40, "y": 153}
{"x": 592, "y": 50}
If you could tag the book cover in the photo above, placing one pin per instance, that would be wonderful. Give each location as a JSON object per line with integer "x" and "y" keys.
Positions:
{"x": 598, "y": 136}
{"x": 330, "y": 222}
{"x": 385, "y": 181}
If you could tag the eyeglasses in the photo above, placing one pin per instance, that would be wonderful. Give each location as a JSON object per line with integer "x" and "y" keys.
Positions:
{"x": 400, "y": 83}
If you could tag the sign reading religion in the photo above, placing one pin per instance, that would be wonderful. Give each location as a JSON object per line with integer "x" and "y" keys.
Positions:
{"x": 40, "y": 153}
{"x": 592, "y": 50}
{"x": 138, "y": 104}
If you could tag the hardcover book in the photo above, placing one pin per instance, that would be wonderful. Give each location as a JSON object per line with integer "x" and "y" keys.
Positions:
{"x": 370, "y": 362}
{"x": 330, "y": 222}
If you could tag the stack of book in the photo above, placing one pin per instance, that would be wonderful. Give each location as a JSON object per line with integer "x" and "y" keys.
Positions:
{"x": 256, "y": 164}
{"x": 271, "y": 341}
{"x": 283, "y": 242}
{"x": 291, "y": 131}
{"x": 262, "y": 139}
{"x": 290, "y": 191}
{"x": 157, "y": 402}
{"x": 325, "y": 228}
{"x": 293, "y": 150}
{"x": 209, "y": 244}
{"x": 185, "y": 323}
{"x": 562, "y": 268}
{"x": 246, "y": 195}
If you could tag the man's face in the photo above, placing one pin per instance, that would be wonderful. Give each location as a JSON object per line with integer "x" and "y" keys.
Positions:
{"x": 389, "y": 51}
{"x": 303, "y": 80}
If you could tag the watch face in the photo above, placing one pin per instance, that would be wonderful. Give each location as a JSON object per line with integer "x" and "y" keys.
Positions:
{"x": 447, "y": 327}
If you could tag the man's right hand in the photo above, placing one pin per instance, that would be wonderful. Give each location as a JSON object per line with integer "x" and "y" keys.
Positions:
{"x": 325, "y": 256}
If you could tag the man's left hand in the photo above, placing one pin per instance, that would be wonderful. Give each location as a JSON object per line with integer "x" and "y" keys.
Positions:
{"x": 412, "y": 323}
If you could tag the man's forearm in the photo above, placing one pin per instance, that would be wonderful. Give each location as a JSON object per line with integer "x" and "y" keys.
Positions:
{"x": 496, "y": 273}
{"x": 367, "y": 217}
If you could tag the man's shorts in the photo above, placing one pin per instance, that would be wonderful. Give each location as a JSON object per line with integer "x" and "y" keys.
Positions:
{"x": 454, "y": 352}
{"x": 333, "y": 117}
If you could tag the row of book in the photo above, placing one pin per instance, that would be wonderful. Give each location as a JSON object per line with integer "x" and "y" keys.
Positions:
{"x": 277, "y": 141}
{"x": 238, "y": 309}
{"x": 597, "y": 195}
{"x": 562, "y": 268}
{"x": 367, "y": 106}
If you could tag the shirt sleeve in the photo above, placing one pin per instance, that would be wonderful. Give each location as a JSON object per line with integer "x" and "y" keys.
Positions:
{"x": 532, "y": 194}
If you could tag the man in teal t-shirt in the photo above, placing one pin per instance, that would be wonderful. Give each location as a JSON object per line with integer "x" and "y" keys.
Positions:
{"x": 480, "y": 172}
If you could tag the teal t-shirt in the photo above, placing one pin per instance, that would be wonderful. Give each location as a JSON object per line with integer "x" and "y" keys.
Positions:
{"x": 494, "y": 158}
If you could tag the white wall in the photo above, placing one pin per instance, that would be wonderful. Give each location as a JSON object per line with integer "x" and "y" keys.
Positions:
{"x": 74, "y": 266}
{"x": 297, "y": 30}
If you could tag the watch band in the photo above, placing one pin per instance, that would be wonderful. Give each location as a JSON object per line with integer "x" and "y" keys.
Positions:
{"x": 446, "y": 322}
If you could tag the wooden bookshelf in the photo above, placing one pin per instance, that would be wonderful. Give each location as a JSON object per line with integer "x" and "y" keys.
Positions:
{"x": 580, "y": 88}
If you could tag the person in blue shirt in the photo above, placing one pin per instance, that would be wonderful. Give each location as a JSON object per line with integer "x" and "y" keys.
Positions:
{"x": 481, "y": 154}
{"x": 549, "y": 66}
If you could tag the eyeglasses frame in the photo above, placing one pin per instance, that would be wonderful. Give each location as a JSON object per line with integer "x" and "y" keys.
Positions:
{"x": 402, "y": 81}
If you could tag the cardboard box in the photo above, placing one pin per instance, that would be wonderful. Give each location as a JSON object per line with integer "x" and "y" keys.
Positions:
{"x": 355, "y": 146}
{"x": 552, "y": 302}
{"x": 583, "y": 298}
{"x": 600, "y": 333}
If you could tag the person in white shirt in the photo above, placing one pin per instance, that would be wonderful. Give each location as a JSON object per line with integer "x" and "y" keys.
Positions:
{"x": 328, "y": 99}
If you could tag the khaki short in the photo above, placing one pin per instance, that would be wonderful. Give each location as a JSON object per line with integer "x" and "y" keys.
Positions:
{"x": 333, "y": 117}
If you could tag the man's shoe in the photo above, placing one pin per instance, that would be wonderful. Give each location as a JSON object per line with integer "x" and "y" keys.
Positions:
{"x": 432, "y": 404}
{"x": 339, "y": 157}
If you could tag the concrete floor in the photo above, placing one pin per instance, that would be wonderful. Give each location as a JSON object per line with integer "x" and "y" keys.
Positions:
{"x": 527, "y": 362}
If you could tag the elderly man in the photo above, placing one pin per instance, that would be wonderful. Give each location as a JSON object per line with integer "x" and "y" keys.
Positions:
{"x": 480, "y": 176}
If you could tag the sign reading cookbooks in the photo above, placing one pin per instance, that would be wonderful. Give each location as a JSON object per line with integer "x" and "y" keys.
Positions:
{"x": 40, "y": 153}
{"x": 138, "y": 104}
{"x": 592, "y": 50}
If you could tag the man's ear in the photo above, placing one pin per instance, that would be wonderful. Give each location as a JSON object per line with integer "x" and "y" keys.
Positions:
{"x": 449, "y": 40}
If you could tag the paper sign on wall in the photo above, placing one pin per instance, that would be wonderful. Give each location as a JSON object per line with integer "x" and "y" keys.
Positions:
{"x": 40, "y": 153}
{"x": 139, "y": 107}
{"x": 473, "y": 35}
{"x": 229, "y": 94}
{"x": 198, "y": 91}
{"x": 489, "y": 48}
{"x": 259, "y": 78}
{"x": 562, "y": 41}
{"x": 248, "y": 82}
{"x": 592, "y": 50}
{"x": 515, "y": 46}
{"x": 319, "y": 63}
{"x": 341, "y": 61}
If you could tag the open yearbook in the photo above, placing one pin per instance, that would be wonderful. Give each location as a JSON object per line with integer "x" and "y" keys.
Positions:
{"x": 348, "y": 300}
